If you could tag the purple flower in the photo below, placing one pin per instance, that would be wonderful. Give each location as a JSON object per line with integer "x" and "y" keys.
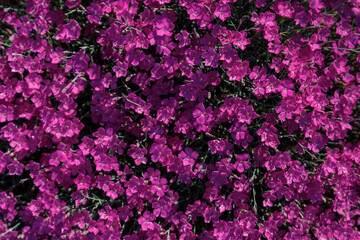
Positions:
{"x": 163, "y": 25}
{"x": 156, "y": 132}
{"x": 94, "y": 12}
{"x": 68, "y": 32}
{"x": 211, "y": 58}
{"x": 161, "y": 208}
{"x": 83, "y": 181}
{"x": 183, "y": 38}
{"x": 15, "y": 168}
{"x": 238, "y": 71}
{"x": 268, "y": 135}
{"x": 188, "y": 157}
{"x": 146, "y": 221}
{"x": 120, "y": 69}
{"x": 72, "y": 3}
{"x": 38, "y": 45}
{"x": 203, "y": 116}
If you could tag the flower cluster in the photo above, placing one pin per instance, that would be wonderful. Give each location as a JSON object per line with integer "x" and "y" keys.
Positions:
{"x": 161, "y": 119}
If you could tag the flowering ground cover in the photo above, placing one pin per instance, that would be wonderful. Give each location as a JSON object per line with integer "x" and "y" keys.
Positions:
{"x": 180, "y": 119}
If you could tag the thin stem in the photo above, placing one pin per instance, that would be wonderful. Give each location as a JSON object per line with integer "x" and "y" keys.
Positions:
{"x": 9, "y": 230}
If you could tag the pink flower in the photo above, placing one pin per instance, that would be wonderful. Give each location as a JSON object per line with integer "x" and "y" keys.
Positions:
{"x": 34, "y": 81}
{"x": 68, "y": 32}
{"x": 222, "y": 11}
{"x": 238, "y": 71}
{"x": 38, "y": 45}
{"x": 156, "y": 132}
{"x": 220, "y": 146}
{"x": 6, "y": 113}
{"x": 134, "y": 56}
{"x": 202, "y": 115}
{"x": 138, "y": 154}
{"x": 15, "y": 168}
{"x": 199, "y": 79}
{"x": 83, "y": 181}
{"x": 164, "y": 45}
{"x": 268, "y": 135}
{"x": 57, "y": 157}
{"x": 159, "y": 187}
{"x": 105, "y": 163}
{"x": 163, "y": 25}
{"x": 211, "y": 58}
{"x": 241, "y": 164}
{"x": 72, "y": 3}
{"x": 94, "y": 12}
{"x": 189, "y": 156}
{"x": 120, "y": 69}
{"x": 5, "y": 159}
{"x": 218, "y": 178}
{"x": 318, "y": 142}
{"x": 283, "y": 9}
{"x": 183, "y": 38}
{"x": 80, "y": 62}
{"x": 239, "y": 39}
{"x": 56, "y": 56}
{"x": 146, "y": 221}
{"x": 161, "y": 208}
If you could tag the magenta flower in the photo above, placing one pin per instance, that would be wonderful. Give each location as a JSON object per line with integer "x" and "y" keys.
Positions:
{"x": 105, "y": 163}
{"x": 188, "y": 157}
{"x": 199, "y": 79}
{"x": 161, "y": 208}
{"x": 202, "y": 115}
{"x": 34, "y": 81}
{"x": 94, "y": 12}
{"x": 57, "y": 157}
{"x": 241, "y": 134}
{"x": 211, "y": 58}
{"x": 15, "y": 168}
{"x": 159, "y": 187}
{"x": 239, "y": 39}
{"x": 238, "y": 71}
{"x": 219, "y": 178}
{"x": 38, "y": 45}
{"x": 72, "y": 3}
{"x": 120, "y": 69}
{"x": 146, "y": 221}
{"x": 207, "y": 42}
{"x": 222, "y": 10}
{"x": 163, "y": 25}
{"x": 268, "y": 135}
{"x": 183, "y": 38}
{"x": 82, "y": 181}
{"x": 164, "y": 45}
{"x": 68, "y": 32}
{"x": 156, "y": 132}
{"x": 138, "y": 154}
{"x": 241, "y": 164}
{"x": 6, "y": 113}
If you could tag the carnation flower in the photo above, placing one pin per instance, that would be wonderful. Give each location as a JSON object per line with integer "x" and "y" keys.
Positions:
{"x": 211, "y": 58}
{"x": 68, "y": 32}
{"x": 83, "y": 181}
{"x": 183, "y": 38}
{"x": 146, "y": 221}
{"x": 268, "y": 135}
{"x": 188, "y": 157}
{"x": 72, "y": 3}
{"x": 94, "y": 12}
{"x": 202, "y": 115}
{"x": 163, "y": 25}
{"x": 38, "y": 45}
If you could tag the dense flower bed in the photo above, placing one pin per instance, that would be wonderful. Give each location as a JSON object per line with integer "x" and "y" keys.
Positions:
{"x": 186, "y": 119}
